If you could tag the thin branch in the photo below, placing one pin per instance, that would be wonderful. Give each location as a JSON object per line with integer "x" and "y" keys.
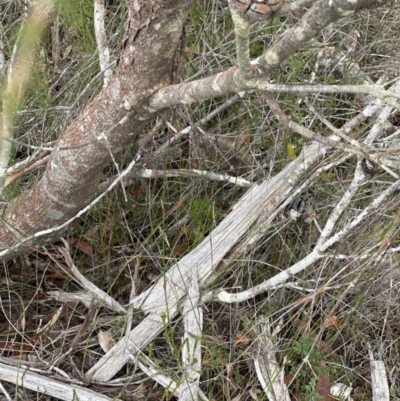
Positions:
{"x": 54, "y": 230}
{"x": 147, "y": 173}
{"x": 375, "y": 90}
{"x": 316, "y": 254}
{"x": 242, "y": 33}
{"x": 98, "y": 294}
{"x": 101, "y": 40}
{"x": 24, "y": 377}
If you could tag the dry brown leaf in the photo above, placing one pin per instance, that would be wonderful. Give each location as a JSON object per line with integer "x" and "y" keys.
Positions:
{"x": 332, "y": 321}
{"x": 106, "y": 341}
{"x": 242, "y": 340}
{"x": 323, "y": 386}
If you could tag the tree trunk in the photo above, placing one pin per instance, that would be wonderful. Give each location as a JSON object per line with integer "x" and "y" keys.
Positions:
{"x": 150, "y": 49}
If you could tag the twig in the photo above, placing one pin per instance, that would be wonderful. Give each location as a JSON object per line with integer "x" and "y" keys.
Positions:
{"x": 54, "y": 230}
{"x": 270, "y": 375}
{"x": 96, "y": 292}
{"x": 377, "y": 91}
{"x": 242, "y": 33}
{"x": 316, "y": 254}
{"x": 147, "y": 173}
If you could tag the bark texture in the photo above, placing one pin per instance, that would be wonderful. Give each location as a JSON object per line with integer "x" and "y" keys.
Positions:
{"x": 152, "y": 40}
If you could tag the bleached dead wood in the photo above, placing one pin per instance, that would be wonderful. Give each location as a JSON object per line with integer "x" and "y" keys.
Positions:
{"x": 96, "y": 292}
{"x": 22, "y": 376}
{"x": 270, "y": 375}
{"x": 379, "y": 382}
{"x": 78, "y": 296}
{"x": 162, "y": 299}
{"x": 380, "y": 387}
{"x": 191, "y": 350}
{"x": 149, "y": 368}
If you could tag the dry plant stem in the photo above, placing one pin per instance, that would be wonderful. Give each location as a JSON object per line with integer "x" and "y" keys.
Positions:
{"x": 101, "y": 39}
{"x": 96, "y": 292}
{"x": 146, "y": 173}
{"x": 270, "y": 375}
{"x": 316, "y": 254}
{"x": 377, "y": 91}
{"x": 21, "y": 66}
{"x": 24, "y": 377}
{"x": 191, "y": 347}
{"x": 57, "y": 229}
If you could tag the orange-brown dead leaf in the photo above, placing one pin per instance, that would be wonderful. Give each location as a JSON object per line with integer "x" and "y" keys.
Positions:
{"x": 180, "y": 247}
{"x": 82, "y": 245}
{"x": 136, "y": 190}
{"x": 323, "y": 388}
{"x": 332, "y": 321}
{"x": 242, "y": 340}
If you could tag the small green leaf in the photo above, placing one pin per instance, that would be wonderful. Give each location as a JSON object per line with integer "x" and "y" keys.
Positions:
{"x": 290, "y": 151}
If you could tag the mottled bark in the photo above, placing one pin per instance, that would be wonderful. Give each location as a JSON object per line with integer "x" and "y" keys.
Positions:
{"x": 148, "y": 59}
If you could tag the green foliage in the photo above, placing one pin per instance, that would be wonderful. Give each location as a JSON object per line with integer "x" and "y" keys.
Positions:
{"x": 202, "y": 212}
{"x": 308, "y": 353}
{"x": 77, "y": 18}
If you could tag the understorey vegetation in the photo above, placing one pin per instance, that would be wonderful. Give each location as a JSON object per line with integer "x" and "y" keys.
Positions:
{"x": 200, "y": 199}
